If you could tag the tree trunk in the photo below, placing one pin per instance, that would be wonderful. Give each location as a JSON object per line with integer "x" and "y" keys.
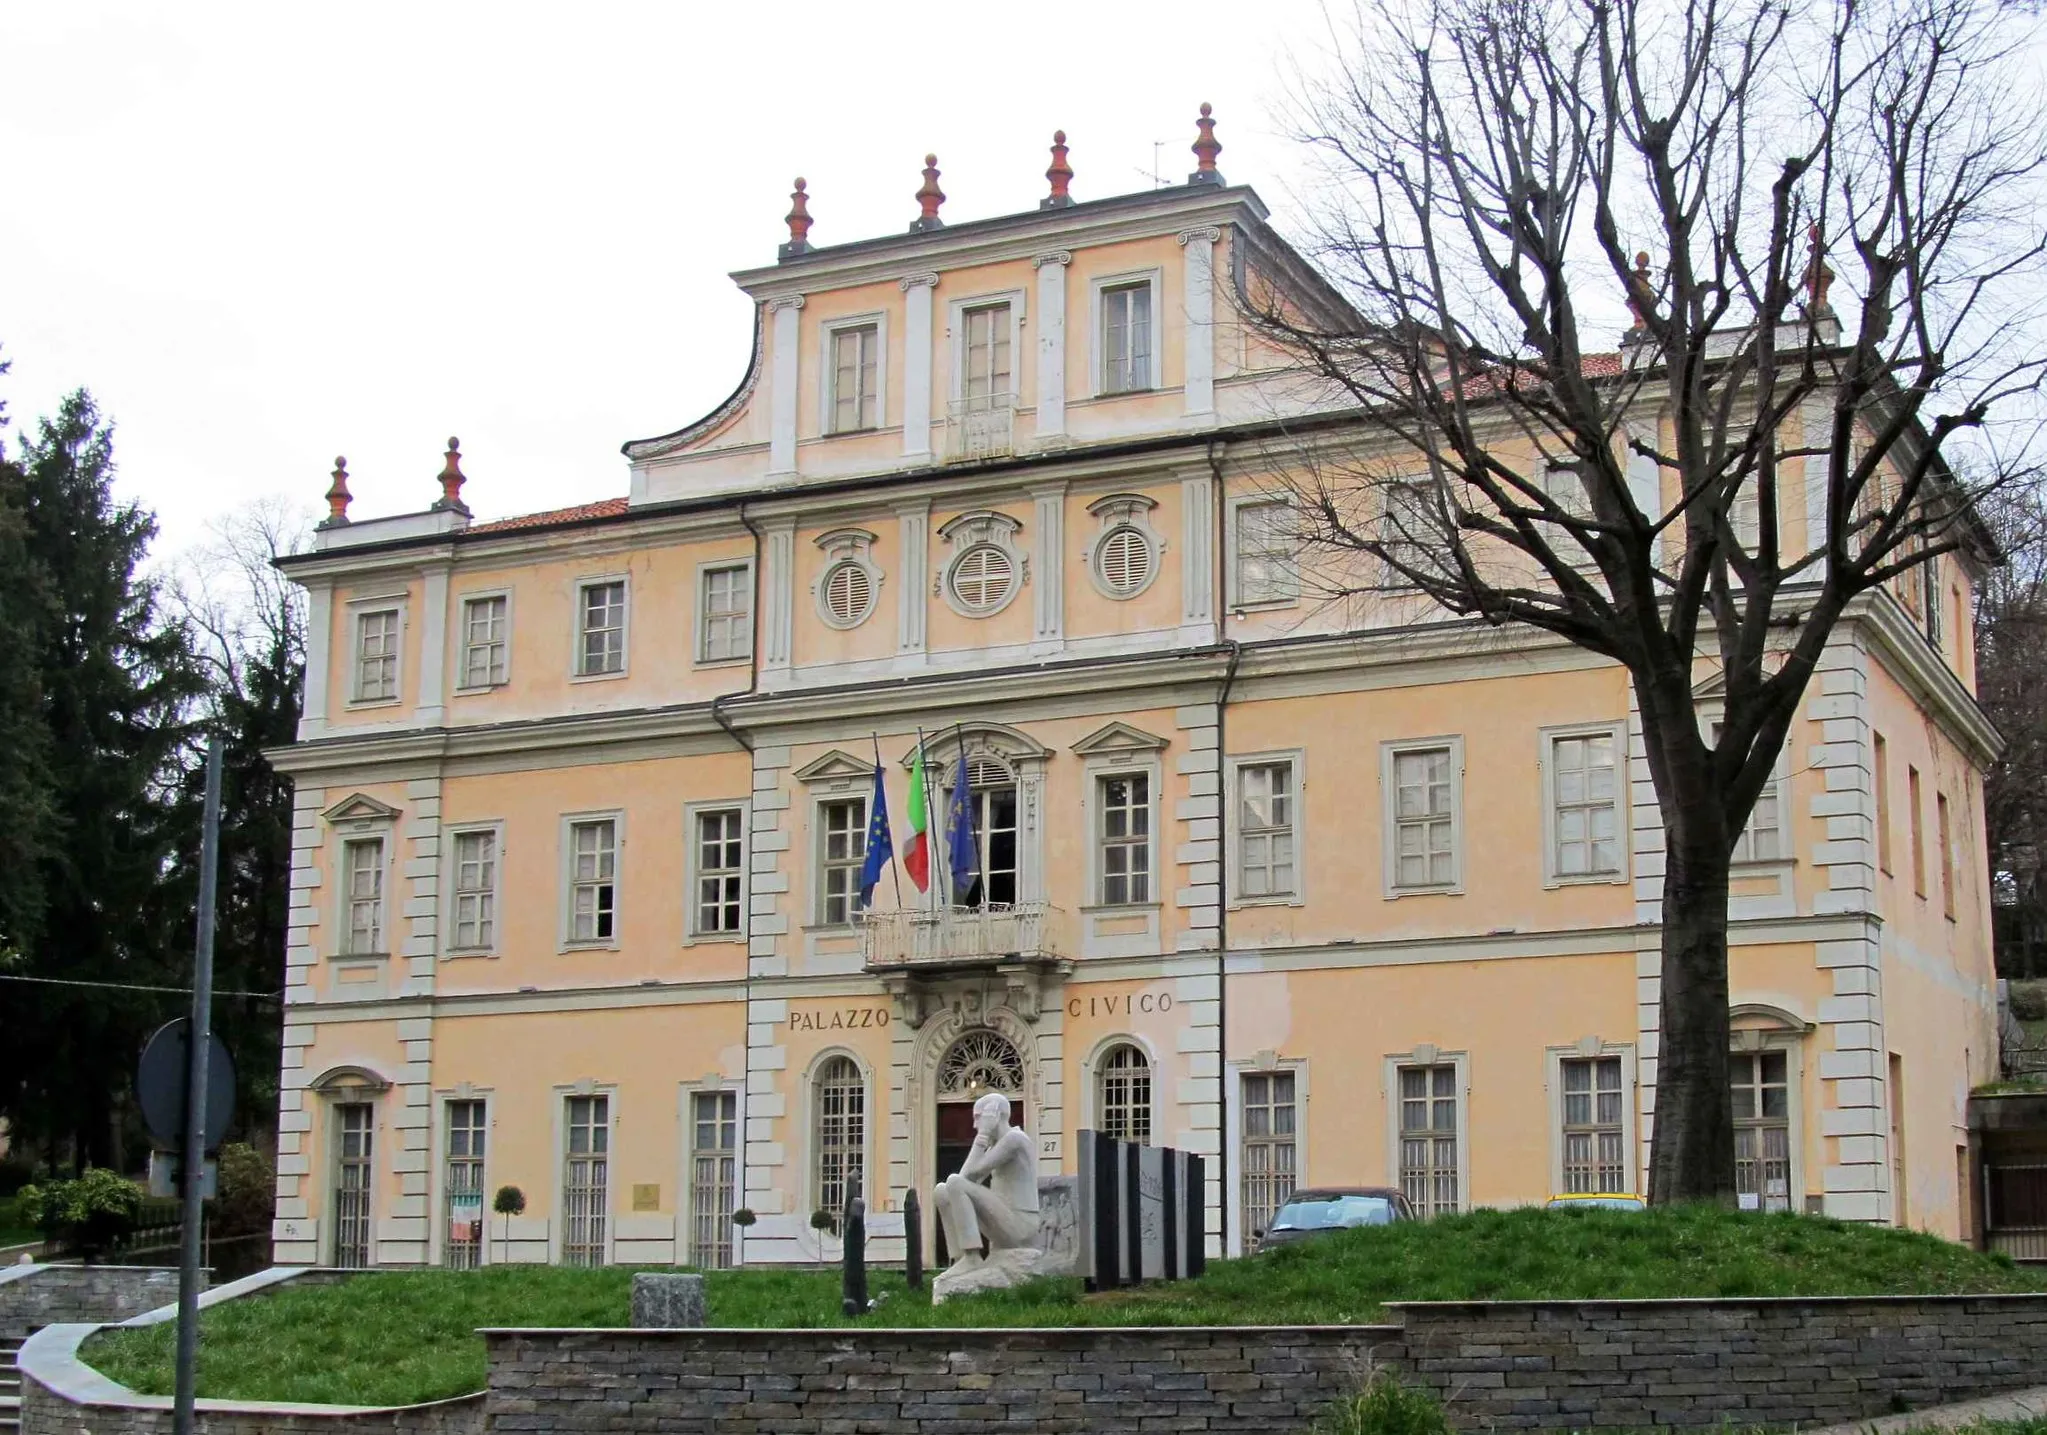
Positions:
{"x": 1691, "y": 1155}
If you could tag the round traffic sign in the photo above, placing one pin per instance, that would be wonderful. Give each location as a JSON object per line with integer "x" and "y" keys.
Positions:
{"x": 160, "y": 1085}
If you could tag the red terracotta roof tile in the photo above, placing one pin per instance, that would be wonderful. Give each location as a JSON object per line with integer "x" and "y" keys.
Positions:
{"x": 603, "y": 508}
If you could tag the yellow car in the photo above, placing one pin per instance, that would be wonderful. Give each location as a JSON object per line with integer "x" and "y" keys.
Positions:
{"x": 1601, "y": 1200}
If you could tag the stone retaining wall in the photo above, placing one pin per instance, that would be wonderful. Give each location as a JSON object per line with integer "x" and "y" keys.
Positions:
{"x": 38, "y": 1295}
{"x": 1497, "y": 1365}
{"x": 43, "y": 1413}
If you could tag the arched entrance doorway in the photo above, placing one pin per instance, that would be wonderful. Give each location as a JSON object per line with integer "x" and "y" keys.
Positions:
{"x": 977, "y": 1063}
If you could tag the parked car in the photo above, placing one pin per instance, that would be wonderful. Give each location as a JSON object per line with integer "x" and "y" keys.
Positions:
{"x": 1607, "y": 1200}
{"x": 1333, "y": 1208}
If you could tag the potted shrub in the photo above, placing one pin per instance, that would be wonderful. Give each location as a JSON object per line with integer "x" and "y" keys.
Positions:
{"x": 510, "y": 1201}
{"x": 821, "y": 1221}
{"x": 744, "y": 1219}
{"x": 89, "y": 1214}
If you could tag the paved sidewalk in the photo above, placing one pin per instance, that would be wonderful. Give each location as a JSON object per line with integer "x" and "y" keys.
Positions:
{"x": 2021, "y": 1405}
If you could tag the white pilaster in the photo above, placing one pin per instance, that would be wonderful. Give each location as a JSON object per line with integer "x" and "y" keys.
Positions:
{"x": 433, "y": 648}
{"x": 1198, "y": 246}
{"x": 913, "y": 525}
{"x": 1048, "y": 592}
{"x": 1819, "y": 426}
{"x": 782, "y": 395}
{"x": 1052, "y": 344}
{"x": 1197, "y": 556}
{"x": 917, "y": 291}
{"x": 778, "y": 598}
{"x": 319, "y": 646}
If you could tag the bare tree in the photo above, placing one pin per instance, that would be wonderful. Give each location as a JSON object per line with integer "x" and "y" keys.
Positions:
{"x": 1497, "y": 169}
{"x": 2011, "y": 683}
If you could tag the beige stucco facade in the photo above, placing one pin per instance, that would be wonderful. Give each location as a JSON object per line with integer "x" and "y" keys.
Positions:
{"x": 572, "y": 791}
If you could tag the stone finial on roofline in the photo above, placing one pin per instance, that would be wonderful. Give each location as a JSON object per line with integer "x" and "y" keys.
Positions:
{"x": 1641, "y": 298}
{"x": 337, "y": 496}
{"x": 452, "y": 479}
{"x": 1818, "y": 276}
{"x": 799, "y": 224}
{"x": 1061, "y": 175}
{"x": 1206, "y": 148}
{"x": 929, "y": 197}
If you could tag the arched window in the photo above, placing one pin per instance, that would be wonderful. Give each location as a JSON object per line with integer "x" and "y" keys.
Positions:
{"x": 841, "y": 1136}
{"x": 1123, "y": 1094}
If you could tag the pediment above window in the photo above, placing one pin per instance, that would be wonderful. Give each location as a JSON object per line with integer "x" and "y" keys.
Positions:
{"x": 834, "y": 765}
{"x": 1000, "y": 738}
{"x": 360, "y": 807}
{"x": 984, "y": 526}
{"x": 1119, "y": 737}
{"x": 347, "y": 1081}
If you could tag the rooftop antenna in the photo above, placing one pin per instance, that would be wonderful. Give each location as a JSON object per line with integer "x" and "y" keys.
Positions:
{"x": 1158, "y": 181}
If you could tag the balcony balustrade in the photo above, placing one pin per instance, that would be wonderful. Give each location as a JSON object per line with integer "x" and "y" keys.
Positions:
{"x": 960, "y": 936}
{"x": 981, "y": 427}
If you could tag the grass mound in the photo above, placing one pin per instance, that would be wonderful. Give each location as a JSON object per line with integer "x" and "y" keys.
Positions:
{"x": 398, "y": 1337}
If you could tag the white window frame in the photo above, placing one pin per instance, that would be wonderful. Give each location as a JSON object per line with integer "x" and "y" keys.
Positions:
{"x": 1591, "y": 1049}
{"x": 1425, "y": 1055}
{"x": 1091, "y": 1071}
{"x": 1386, "y": 528}
{"x": 818, "y": 803}
{"x": 1238, "y": 602}
{"x": 625, "y": 633}
{"x": 1546, "y": 739}
{"x": 559, "y": 1227}
{"x": 336, "y": 1100}
{"x": 956, "y": 337}
{"x": 693, "y": 933}
{"x": 344, "y": 925}
{"x": 437, "y": 1249}
{"x": 828, "y": 379}
{"x": 1575, "y": 499}
{"x": 1710, "y": 718}
{"x": 1389, "y": 756}
{"x": 1233, "y": 827}
{"x": 569, "y": 942}
{"x": 1098, "y": 347}
{"x": 1154, "y": 872}
{"x": 452, "y": 836}
{"x": 700, "y": 642}
{"x": 813, "y": 1111}
{"x": 685, "y": 1183}
{"x": 1260, "y": 1064}
{"x": 462, "y": 684}
{"x": 358, "y": 609}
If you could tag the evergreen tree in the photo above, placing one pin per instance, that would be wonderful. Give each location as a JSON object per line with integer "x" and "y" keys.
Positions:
{"x": 116, "y": 686}
{"x": 24, "y": 740}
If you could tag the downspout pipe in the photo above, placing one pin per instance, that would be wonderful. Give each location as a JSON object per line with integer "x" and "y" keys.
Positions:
{"x": 753, "y": 678}
{"x": 753, "y": 665}
{"x": 1222, "y": 845}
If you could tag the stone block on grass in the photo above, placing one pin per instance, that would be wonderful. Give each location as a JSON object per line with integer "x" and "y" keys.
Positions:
{"x": 664, "y": 1300}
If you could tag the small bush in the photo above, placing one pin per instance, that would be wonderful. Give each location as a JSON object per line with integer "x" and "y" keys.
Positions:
{"x": 2028, "y": 1001}
{"x": 1386, "y": 1407}
{"x": 90, "y": 1213}
{"x": 248, "y": 1193}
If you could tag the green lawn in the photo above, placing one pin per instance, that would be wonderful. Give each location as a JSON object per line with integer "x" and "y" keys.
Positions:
{"x": 397, "y": 1337}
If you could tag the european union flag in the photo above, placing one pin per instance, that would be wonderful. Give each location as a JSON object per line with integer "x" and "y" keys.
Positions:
{"x": 879, "y": 848}
{"x": 962, "y": 852}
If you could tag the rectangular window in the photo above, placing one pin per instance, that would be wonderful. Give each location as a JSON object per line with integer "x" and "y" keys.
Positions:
{"x": 985, "y": 381}
{"x": 721, "y": 870}
{"x": 1126, "y": 338}
{"x": 1125, "y": 839}
{"x": 713, "y": 1177}
{"x": 462, "y": 1246}
{"x": 1746, "y": 516}
{"x": 376, "y": 656}
{"x": 1912, "y": 795}
{"x": 1406, "y": 527}
{"x": 1595, "y": 1153}
{"x": 841, "y": 1135}
{"x": 476, "y": 890}
{"x": 1422, "y": 815}
{"x": 1269, "y": 1156}
{"x": 1761, "y": 1093}
{"x": 1267, "y": 568}
{"x": 362, "y": 872}
{"x": 1881, "y": 759}
{"x": 486, "y": 635}
{"x": 586, "y": 1179}
{"x": 1763, "y": 839}
{"x": 855, "y": 359}
{"x": 1564, "y": 485}
{"x": 1265, "y": 830}
{"x": 1428, "y": 1138}
{"x": 354, "y": 1125}
{"x": 1944, "y": 834}
{"x": 1585, "y": 806}
{"x": 841, "y": 853}
{"x": 600, "y": 646}
{"x": 725, "y": 621}
{"x": 1929, "y": 598}
{"x": 593, "y": 880}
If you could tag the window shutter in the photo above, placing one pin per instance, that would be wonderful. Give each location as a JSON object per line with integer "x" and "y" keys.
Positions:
{"x": 1125, "y": 560}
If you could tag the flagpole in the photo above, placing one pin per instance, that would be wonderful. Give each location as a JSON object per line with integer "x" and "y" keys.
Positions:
{"x": 973, "y": 836}
{"x": 923, "y": 776}
{"x": 894, "y": 870}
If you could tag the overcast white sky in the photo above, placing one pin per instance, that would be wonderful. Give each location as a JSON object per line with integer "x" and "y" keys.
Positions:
{"x": 266, "y": 234}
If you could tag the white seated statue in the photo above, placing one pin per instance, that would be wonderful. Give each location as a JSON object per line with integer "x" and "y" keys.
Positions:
{"x": 991, "y": 1201}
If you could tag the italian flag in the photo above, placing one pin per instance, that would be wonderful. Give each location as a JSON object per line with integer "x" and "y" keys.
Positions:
{"x": 917, "y": 857}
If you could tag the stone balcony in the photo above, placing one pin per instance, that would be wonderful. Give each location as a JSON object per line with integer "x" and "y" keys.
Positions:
{"x": 932, "y": 939}
{"x": 980, "y": 427}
